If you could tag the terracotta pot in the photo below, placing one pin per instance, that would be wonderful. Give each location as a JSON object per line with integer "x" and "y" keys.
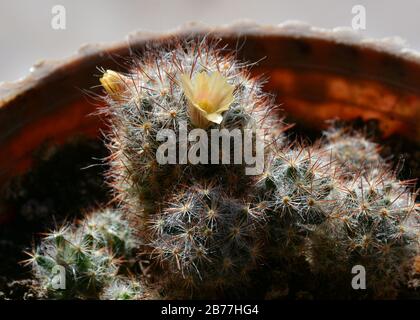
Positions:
{"x": 316, "y": 75}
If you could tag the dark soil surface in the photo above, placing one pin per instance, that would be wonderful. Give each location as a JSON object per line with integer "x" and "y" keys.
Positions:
{"x": 68, "y": 181}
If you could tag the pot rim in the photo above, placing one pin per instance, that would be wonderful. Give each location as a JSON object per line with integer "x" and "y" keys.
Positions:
{"x": 394, "y": 46}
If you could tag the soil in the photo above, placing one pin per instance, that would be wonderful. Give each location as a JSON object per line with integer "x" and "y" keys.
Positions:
{"x": 68, "y": 181}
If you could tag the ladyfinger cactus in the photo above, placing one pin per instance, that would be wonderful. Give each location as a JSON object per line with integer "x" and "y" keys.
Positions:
{"x": 375, "y": 224}
{"x": 80, "y": 261}
{"x": 206, "y": 225}
{"x": 196, "y": 212}
{"x": 210, "y": 216}
{"x": 207, "y": 239}
{"x": 352, "y": 151}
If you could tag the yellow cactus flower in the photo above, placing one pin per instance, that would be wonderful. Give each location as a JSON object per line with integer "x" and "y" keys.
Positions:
{"x": 114, "y": 83}
{"x": 208, "y": 96}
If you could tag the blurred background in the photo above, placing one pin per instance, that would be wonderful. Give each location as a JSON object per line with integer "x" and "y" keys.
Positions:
{"x": 27, "y": 35}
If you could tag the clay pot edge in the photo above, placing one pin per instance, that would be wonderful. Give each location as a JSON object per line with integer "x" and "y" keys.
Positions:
{"x": 341, "y": 35}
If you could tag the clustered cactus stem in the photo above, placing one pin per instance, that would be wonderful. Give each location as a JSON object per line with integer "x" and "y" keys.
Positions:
{"x": 209, "y": 228}
{"x": 93, "y": 253}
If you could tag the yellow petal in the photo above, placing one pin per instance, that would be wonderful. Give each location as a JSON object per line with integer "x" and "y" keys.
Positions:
{"x": 214, "y": 117}
{"x": 210, "y": 95}
{"x": 221, "y": 92}
{"x": 198, "y": 116}
{"x": 114, "y": 84}
{"x": 197, "y": 106}
{"x": 187, "y": 86}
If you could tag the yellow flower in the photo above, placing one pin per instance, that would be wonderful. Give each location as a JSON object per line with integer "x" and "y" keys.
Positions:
{"x": 114, "y": 83}
{"x": 208, "y": 96}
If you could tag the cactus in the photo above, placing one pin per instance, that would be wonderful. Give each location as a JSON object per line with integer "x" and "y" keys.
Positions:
{"x": 209, "y": 228}
{"x": 301, "y": 186}
{"x": 352, "y": 151}
{"x": 200, "y": 222}
{"x": 206, "y": 225}
{"x": 375, "y": 225}
{"x": 91, "y": 253}
{"x": 207, "y": 239}
{"x": 126, "y": 288}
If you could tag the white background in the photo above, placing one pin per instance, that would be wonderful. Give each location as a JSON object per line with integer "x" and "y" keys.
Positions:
{"x": 26, "y": 35}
